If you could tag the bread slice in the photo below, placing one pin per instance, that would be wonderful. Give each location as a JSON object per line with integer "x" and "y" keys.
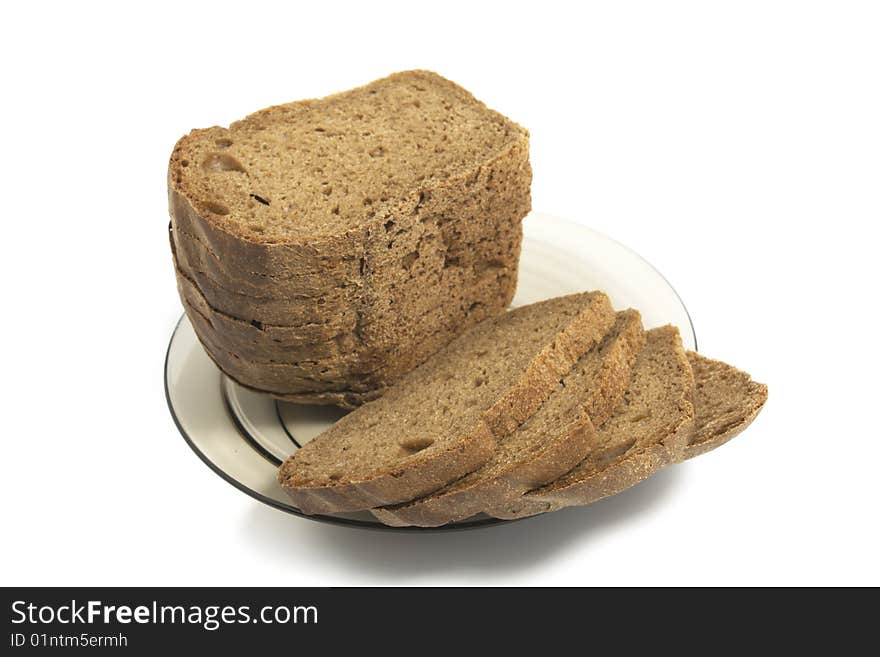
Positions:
{"x": 386, "y": 218}
{"x": 442, "y": 420}
{"x": 648, "y": 430}
{"x": 548, "y": 444}
{"x": 726, "y": 400}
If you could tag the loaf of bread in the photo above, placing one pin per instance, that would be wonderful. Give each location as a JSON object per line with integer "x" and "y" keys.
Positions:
{"x": 326, "y": 247}
{"x": 444, "y": 419}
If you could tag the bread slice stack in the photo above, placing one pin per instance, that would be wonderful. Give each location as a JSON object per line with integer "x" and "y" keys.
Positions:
{"x": 555, "y": 404}
{"x": 552, "y": 441}
{"x": 648, "y": 429}
{"x": 326, "y": 247}
{"x": 444, "y": 419}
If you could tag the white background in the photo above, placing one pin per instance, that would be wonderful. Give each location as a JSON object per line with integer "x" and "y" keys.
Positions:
{"x": 734, "y": 145}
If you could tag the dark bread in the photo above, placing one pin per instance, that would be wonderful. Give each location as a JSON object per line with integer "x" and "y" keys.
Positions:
{"x": 284, "y": 360}
{"x": 385, "y": 219}
{"x": 548, "y": 444}
{"x": 726, "y": 400}
{"x": 442, "y": 420}
{"x": 648, "y": 430}
{"x": 704, "y": 405}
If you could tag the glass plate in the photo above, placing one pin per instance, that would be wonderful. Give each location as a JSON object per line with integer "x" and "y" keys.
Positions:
{"x": 244, "y": 436}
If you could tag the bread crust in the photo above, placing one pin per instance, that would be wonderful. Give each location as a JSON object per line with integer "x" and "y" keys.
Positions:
{"x": 267, "y": 342}
{"x": 614, "y": 479}
{"x": 343, "y": 399}
{"x": 347, "y": 399}
{"x": 559, "y": 455}
{"x": 240, "y": 330}
{"x": 332, "y": 364}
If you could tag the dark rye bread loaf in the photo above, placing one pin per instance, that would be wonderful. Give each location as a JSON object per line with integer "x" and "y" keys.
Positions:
{"x": 648, "y": 430}
{"x": 384, "y": 220}
{"x": 548, "y": 444}
{"x": 726, "y": 400}
{"x": 442, "y": 420}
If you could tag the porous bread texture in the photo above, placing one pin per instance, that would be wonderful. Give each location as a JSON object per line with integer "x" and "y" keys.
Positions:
{"x": 332, "y": 146}
{"x": 442, "y": 420}
{"x": 647, "y": 431}
{"x": 355, "y": 219}
{"x": 726, "y": 400}
{"x": 653, "y": 430}
{"x": 548, "y": 444}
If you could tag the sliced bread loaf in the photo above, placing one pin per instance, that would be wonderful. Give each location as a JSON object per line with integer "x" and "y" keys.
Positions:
{"x": 548, "y": 444}
{"x": 648, "y": 430}
{"x": 726, "y": 400}
{"x": 369, "y": 214}
{"x": 442, "y": 420}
